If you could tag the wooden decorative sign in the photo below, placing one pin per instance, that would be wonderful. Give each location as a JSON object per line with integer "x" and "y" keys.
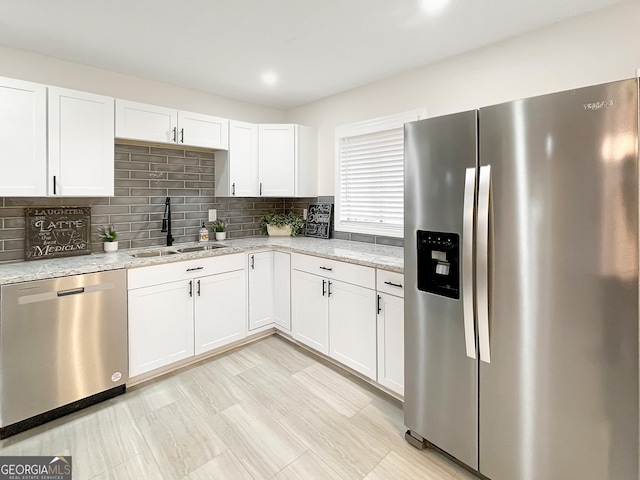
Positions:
{"x": 57, "y": 232}
{"x": 319, "y": 220}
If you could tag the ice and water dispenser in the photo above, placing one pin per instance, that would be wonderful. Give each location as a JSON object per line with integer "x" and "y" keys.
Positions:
{"x": 438, "y": 263}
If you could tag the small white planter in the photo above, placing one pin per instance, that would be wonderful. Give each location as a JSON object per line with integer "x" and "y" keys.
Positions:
{"x": 110, "y": 246}
{"x": 274, "y": 231}
{"x": 221, "y": 235}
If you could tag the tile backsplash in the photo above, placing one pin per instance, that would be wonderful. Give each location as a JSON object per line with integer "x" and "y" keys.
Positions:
{"x": 144, "y": 176}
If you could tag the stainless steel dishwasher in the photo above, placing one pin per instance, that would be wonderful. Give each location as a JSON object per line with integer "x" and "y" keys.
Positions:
{"x": 63, "y": 346}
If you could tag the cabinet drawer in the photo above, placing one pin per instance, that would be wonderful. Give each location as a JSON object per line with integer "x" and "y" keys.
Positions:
{"x": 170, "y": 272}
{"x": 334, "y": 269}
{"x": 390, "y": 282}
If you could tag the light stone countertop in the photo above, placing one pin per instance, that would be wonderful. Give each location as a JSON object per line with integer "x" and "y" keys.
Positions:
{"x": 379, "y": 256}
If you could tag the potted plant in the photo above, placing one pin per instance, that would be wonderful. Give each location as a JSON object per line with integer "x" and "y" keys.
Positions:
{"x": 108, "y": 235}
{"x": 281, "y": 224}
{"x": 220, "y": 227}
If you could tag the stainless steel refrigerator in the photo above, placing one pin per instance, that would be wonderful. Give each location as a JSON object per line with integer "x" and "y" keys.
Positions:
{"x": 521, "y": 265}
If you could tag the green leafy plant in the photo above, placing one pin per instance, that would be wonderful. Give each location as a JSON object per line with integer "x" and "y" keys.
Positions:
{"x": 107, "y": 233}
{"x": 282, "y": 220}
{"x": 219, "y": 225}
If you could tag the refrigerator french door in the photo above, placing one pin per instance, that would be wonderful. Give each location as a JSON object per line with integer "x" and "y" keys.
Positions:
{"x": 548, "y": 286}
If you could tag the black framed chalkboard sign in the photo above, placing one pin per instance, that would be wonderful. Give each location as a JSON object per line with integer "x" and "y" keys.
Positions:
{"x": 52, "y": 232}
{"x": 319, "y": 220}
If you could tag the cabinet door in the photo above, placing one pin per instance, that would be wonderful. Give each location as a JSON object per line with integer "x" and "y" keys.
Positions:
{"x": 23, "y": 139}
{"x": 310, "y": 310}
{"x": 260, "y": 289}
{"x": 160, "y": 326}
{"x": 391, "y": 342}
{"x": 243, "y": 159}
{"x": 81, "y": 143}
{"x": 276, "y": 158}
{"x": 352, "y": 327}
{"x": 139, "y": 121}
{"x": 199, "y": 130}
{"x": 220, "y": 310}
{"x": 282, "y": 289}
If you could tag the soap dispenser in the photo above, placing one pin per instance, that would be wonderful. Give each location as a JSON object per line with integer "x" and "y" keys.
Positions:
{"x": 204, "y": 233}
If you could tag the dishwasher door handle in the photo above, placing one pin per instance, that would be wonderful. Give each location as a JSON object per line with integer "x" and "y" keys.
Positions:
{"x": 72, "y": 291}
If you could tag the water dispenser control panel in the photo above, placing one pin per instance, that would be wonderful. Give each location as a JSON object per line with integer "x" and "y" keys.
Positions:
{"x": 439, "y": 263}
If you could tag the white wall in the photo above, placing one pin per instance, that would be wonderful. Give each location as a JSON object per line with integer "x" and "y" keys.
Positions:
{"x": 595, "y": 48}
{"x": 41, "y": 69}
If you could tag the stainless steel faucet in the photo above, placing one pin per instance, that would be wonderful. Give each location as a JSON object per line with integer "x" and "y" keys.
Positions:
{"x": 166, "y": 221}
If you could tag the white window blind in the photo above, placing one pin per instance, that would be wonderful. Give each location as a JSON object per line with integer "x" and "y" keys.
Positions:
{"x": 370, "y": 183}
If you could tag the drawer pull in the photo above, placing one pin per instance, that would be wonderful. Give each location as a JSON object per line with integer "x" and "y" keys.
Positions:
{"x": 326, "y": 268}
{"x": 399, "y": 285}
{"x": 194, "y": 269}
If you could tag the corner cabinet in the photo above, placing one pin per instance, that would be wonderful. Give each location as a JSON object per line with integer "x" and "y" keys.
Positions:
{"x": 333, "y": 310}
{"x": 186, "y": 308}
{"x": 287, "y": 161}
{"x": 81, "y": 144}
{"x": 269, "y": 290}
{"x": 140, "y": 121}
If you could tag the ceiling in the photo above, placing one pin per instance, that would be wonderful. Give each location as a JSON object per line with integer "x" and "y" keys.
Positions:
{"x": 316, "y": 47}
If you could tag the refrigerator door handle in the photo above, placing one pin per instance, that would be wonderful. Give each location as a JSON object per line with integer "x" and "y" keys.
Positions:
{"x": 482, "y": 266}
{"x": 467, "y": 261}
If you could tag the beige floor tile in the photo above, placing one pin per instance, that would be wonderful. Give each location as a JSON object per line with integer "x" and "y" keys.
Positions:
{"x": 141, "y": 466}
{"x": 337, "y": 442}
{"x": 103, "y": 440}
{"x": 465, "y": 475}
{"x": 223, "y": 467}
{"x": 308, "y": 467}
{"x": 261, "y": 444}
{"x": 283, "y": 353}
{"x": 343, "y": 395}
{"x": 272, "y": 387}
{"x": 148, "y": 397}
{"x": 211, "y": 390}
{"x": 396, "y": 467}
{"x": 181, "y": 438}
{"x": 237, "y": 361}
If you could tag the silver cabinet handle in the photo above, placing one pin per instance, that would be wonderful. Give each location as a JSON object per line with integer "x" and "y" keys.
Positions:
{"x": 191, "y": 288}
{"x": 194, "y": 269}
{"x": 54, "y": 184}
{"x": 253, "y": 262}
{"x": 329, "y": 289}
{"x": 182, "y": 135}
{"x": 175, "y": 135}
{"x": 324, "y": 287}
{"x": 233, "y": 189}
{"x": 198, "y": 287}
{"x": 467, "y": 262}
{"x": 482, "y": 264}
{"x": 379, "y": 307}
{"x": 326, "y": 268}
{"x": 399, "y": 285}
{"x": 260, "y": 188}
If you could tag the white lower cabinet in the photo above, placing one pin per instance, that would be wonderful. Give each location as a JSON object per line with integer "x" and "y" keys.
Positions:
{"x": 220, "y": 312}
{"x": 352, "y": 326}
{"x": 335, "y": 317}
{"x": 310, "y": 310}
{"x": 160, "y": 326}
{"x": 391, "y": 342}
{"x": 171, "y": 320}
{"x": 269, "y": 290}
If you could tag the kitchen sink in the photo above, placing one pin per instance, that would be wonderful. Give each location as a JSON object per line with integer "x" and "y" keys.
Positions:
{"x": 199, "y": 248}
{"x": 154, "y": 253}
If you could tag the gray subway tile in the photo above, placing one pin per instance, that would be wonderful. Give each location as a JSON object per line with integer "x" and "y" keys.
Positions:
{"x": 168, "y": 151}
{"x": 123, "y": 147}
{"x": 394, "y": 242}
{"x": 199, "y": 154}
{"x": 341, "y": 235}
{"x": 11, "y": 256}
{"x": 131, "y": 183}
{"x": 131, "y": 165}
{"x": 184, "y": 161}
{"x": 129, "y": 200}
{"x": 360, "y": 237}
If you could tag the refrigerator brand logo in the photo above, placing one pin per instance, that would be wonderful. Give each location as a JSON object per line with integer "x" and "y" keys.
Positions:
{"x": 597, "y": 105}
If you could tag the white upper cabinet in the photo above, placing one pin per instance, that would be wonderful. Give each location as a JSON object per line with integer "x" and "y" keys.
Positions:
{"x": 287, "y": 157}
{"x": 81, "y": 144}
{"x": 237, "y": 170}
{"x": 23, "y": 139}
{"x": 139, "y": 121}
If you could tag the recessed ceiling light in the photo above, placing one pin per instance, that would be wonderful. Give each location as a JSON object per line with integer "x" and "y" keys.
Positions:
{"x": 269, "y": 78}
{"x": 432, "y": 7}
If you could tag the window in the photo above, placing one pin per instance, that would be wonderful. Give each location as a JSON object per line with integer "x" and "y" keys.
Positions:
{"x": 370, "y": 175}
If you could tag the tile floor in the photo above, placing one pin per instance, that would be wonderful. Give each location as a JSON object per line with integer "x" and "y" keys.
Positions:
{"x": 268, "y": 410}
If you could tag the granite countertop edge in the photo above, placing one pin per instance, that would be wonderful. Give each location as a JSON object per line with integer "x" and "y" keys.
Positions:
{"x": 371, "y": 255}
